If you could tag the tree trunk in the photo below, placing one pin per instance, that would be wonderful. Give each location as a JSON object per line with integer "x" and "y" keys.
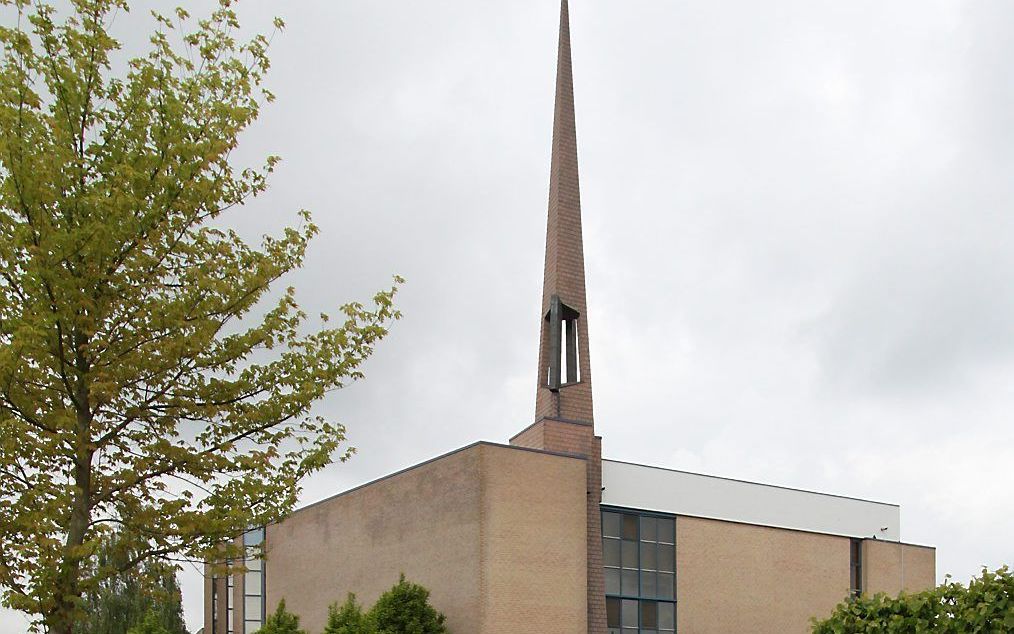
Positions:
{"x": 67, "y": 589}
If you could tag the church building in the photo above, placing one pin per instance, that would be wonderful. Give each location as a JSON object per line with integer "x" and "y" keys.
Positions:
{"x": 544, "y": 535}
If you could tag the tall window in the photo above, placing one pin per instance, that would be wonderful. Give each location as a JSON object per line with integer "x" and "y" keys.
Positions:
{"x": 253, "y": 582}
{"x": 230, "y": 604}
{"x": 214, "y": 605}
{"x": 856, "y": 567}
{"x": 639, "y": 555}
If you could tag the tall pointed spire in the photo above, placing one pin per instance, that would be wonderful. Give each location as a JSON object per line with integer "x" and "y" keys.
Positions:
{"x": 564, "y": 389}
{"x": 563, "y": 403}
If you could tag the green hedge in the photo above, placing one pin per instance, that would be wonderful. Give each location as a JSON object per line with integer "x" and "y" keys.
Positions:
{"x": 985, "y": 606}
{"x": 404, "y": 609}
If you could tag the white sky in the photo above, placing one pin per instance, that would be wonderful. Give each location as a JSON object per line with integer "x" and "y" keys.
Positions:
{"x": 798, "y": 232}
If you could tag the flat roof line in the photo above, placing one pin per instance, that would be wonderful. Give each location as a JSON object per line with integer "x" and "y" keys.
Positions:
{"x": 777, "y": 527}
{"x": 762, "y": 484}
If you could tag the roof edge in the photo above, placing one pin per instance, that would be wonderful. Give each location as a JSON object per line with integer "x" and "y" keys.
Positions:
{"x": 777, "y": 527}
{"x": 763, "y": 484}
{"x": 480, "y": 443}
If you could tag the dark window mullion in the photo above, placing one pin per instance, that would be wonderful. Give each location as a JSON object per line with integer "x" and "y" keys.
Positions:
{"x": 636, "y": 532}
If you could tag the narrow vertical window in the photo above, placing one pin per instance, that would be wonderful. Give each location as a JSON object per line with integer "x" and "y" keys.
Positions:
{"x": 230, "y": 603}
{"x": 253, "y": 581}
{"x": 214, "y": 605}
{"x": 856, "y": 567}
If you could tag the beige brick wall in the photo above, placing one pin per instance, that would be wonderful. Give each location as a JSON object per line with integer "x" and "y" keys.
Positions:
{"x": 534, "y": 544}
{"x": 578, "y": 438}
{"x": 891, "y": 567}
{"x": 533, "y": 437}
{"x": 496, "y": 533}
{"x": 742, "y": 578}
{"x": 208, "y": 617}
{"x": 423, "y": 522}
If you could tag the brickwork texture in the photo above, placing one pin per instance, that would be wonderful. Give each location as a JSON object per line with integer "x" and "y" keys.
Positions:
{"x": 500, "y": 551}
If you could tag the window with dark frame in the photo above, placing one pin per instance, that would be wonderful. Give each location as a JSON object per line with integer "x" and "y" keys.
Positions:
{"x": 230, "y": 603}
{"x": 214, "y": 605}
{"x": 639, "y": 559}
{"x": 856, "y": 567}
{"x": 253, "y": 581}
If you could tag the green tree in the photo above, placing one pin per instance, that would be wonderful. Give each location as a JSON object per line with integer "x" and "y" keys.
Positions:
{"x": 347, "y": 618}
{"x": 405, "y": 609}
{"x": 120, "y": 602}
{"x": 281, "y": 622}
{"x": 150, "y": 624}
{"x": 143, "y": 382}
{"x": 986, "y": 605}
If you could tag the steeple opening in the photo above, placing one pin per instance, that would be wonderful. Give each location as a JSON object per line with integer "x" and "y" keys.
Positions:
{"x": 564, "y": 353}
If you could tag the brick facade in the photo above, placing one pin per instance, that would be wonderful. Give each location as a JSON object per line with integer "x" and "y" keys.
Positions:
{"x": 564, "y": 269}
{"x": 891, "y": 567}
{"x": 499, "y": 550}
{"x": 579, "y": 438}
{"x": 564, "y": 416}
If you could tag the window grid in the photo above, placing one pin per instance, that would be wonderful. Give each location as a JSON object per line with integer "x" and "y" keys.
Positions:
{"x": 253, "y": 582}
{"x": 214, "y": 605}
{"x": 230, "y": 603}
{"x": 639, "y": 557}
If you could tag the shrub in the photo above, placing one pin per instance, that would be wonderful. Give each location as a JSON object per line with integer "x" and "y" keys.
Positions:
{"x": 986, "y": 605}
{"x": 347, "y": 619}
{"x": 281, "y": 622}
{"x": 405, "y": 609}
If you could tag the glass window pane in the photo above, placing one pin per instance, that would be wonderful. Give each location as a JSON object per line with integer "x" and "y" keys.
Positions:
{"x": 630, "y": 527}
{"x": 252, "y": 562}
{"x": 610, "y": 524}
{"x": 614, "y": 630}
{"x": 667, "y": 531}
{"x": 629, "y": 554}
{"x": 254, "y": 537}
{"x": 629, "y": 613}
{"x": 648, "y": 556}
{"x": 649, "y": 614}
{"x": 612, "y": 612}
{"x": 666, "y": 616}
{"x": 252, "y": 583}
{"x": 252, "y": 607}
{"x": 612, "y": 581}
{"x": 648, "y": 584}
{"x": 666, "y": 586}
{"x": 648, "y": 529}
{"x": 252, "y": 626}
{"x": 629, "y": 585}
{"x": 611, "y": 552}
{"x": 666, "y": 557}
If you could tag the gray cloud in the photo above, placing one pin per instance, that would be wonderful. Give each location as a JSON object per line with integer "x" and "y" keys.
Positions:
{"x": 797, "y": 227}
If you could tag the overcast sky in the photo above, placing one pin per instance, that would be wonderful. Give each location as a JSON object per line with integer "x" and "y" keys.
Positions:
{"x": 798, "y": 231}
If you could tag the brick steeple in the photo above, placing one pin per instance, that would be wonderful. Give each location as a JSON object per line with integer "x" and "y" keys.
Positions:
{"x": 563, "y": 402}
{"x": 564, "y": 389}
